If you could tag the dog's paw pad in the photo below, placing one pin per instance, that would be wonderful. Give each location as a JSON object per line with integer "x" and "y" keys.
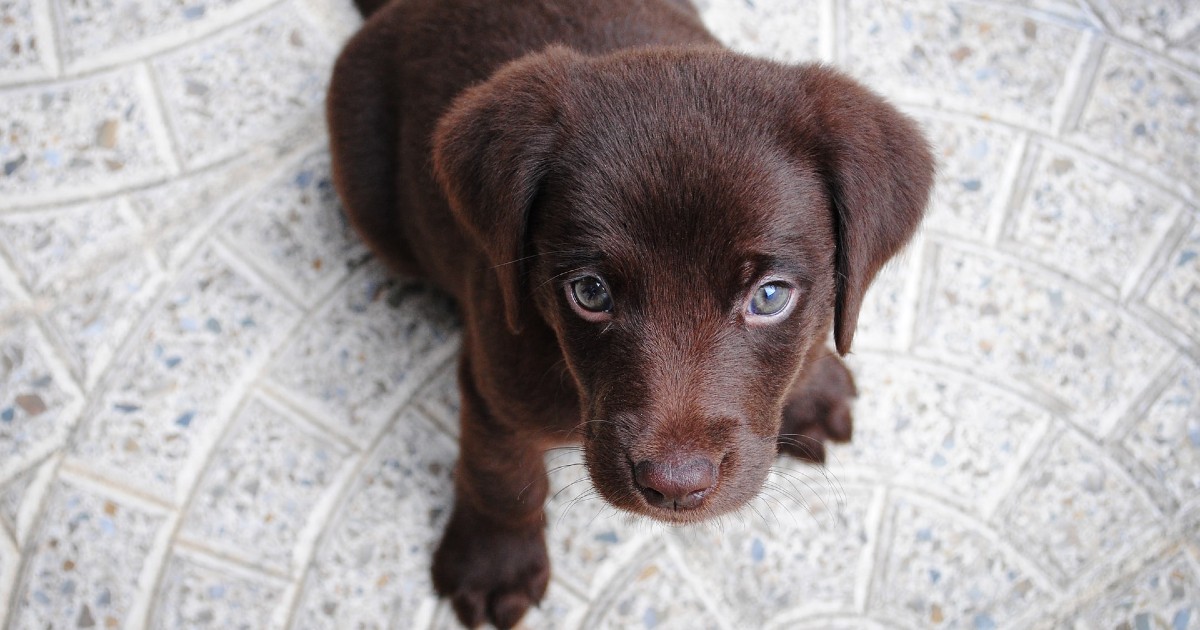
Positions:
{"x": 490, "y": 575}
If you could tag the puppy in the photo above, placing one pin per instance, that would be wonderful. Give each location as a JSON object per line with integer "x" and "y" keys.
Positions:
{"x": 649, "y": 237}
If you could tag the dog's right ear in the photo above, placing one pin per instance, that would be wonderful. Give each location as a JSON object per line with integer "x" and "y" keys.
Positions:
{"x": 491, "y": 150}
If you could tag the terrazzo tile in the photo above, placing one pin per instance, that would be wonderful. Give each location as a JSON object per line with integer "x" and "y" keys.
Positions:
{"x": 234, "y": 90}
{"x": 21, "y": 56}
{"x": 822, "y": 622}
{"x": 882, "y": 319}
{"x": 588, "y": 539}
{"x": 181, "y": 375}
{"x": 939, "y": 431}
{"x": 653, "y": 594}
{"x": 261, "y": 487}
{"x": 1039, "y": 330}
{"x": 199, "y": 593}
{"x": 178, "y": 214}
{"x": 21, "y": 496}
{"x": 1143, "y": 113}
{"x": 38, "y": 403}
{"x": 373, "y": 563}
{"x": 1163, "y": 595}
{"x": 783, "y": 30}
{"x": 296, "y": 228}
{"x": 77, "y": 138}
{"x": 940, "y": 571}
{"x": 82, "y": 256}
{"x": 971, "y": 158}
{"x": 1074, "y": 510}
{"x": 10, "y": 559}
{"x": 357, "y": 360}
{"x": 1166, "y": 438}
{"x": 797, "y": 550}
{"x": 1175, "y": 291}
{"x": 104, "y": 31}
{"x": 1087, "y": 219}
{"x": 1151, "y": 23}
{"x": 440, "y": 398}
{"x": 88, "y": 556}
{"x": 978, "y": 58}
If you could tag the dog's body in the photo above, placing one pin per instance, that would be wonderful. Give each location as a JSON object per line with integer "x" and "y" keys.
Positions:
{"x": 649, "y": 238}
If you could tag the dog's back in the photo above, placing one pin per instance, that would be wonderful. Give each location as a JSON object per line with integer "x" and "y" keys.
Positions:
{"x": 398, "y": 75}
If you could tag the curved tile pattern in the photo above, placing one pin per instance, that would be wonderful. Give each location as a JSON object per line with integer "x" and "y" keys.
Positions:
{"x": 216, "y": 411}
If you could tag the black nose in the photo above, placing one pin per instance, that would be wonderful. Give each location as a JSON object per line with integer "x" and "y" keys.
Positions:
{"x": 675, "y": 485}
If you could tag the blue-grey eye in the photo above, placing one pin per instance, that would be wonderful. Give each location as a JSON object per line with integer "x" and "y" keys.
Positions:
{"x": 770, "y": 299}
{"x": 591, "y": 294}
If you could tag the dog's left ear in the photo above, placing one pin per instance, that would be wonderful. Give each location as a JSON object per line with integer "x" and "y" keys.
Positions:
{"x": 491, "y": 150}
{"x": 879, "y": 171}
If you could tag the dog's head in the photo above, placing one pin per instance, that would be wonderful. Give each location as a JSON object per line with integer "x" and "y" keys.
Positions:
{"x": 688, "y": 223}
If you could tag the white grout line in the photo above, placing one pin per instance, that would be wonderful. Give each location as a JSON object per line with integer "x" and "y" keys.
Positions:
{"x": 868, "y": 560}
{"x": 1077, "y": 84}
{"x": 1011, "y": 188}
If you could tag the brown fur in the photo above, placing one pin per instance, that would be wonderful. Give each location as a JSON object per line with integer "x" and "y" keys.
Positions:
{"x": 503, "y": 149}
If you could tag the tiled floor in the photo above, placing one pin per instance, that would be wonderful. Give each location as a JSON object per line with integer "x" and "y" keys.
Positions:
{"x": 215, "y": 411}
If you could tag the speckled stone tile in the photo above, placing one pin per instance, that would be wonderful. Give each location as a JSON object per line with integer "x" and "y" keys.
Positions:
{"x": 21, "y": 54}
{"x": 1075, "y": 510}
{"x": 1033, "y": 327}
{"x": 978, "y": 58}
{"x": 784, "y": 30}
{"x": 1163, "y": 595}
{"x": 201, "y": 593}
{"x": 10, "y": 559}
{"x": 833, "y": 622}
{"x": 1087, "y": 219}
{"x": 941, "y": 571}
{"x": 1151, "y": 23}
{"x": 81, "y": 255}
{"x": 883, "y": 320}
{"x": 229, "y": 92}
{"x": 71, "y": 139}
{"x": 1143, "y": 113}
{"x": 100, "y": 32}
{"x": 182, "y": 374}
{"x": 21, "y": 496}
{"x": 89, "y": 555}
{"x": 654, "y": 594}
{"x": 588, "y": 539}
{"x": 440, "y": 399}
{"x": 798, "y": 549}
{"x": 1166, "y": 439}
{"x": 357, "y": 360}
{"x": 939, "y": 431}
{"x": 295, "y": 228}
{"x": 178, "y": 214}
{"x": 971, "y": 156}
{"x": 262, "y": 485}
{"x": 1175, "y": 290}
{"x": 373, "y": 564}
{"x": 38, "y": 403}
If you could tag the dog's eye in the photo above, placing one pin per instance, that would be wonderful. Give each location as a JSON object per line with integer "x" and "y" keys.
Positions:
{"x": 770, "y": 299}
{"x": 591, "y": 295}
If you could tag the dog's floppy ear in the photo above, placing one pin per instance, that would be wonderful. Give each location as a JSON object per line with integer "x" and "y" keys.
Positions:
{"x": 879, "y": 171}
{"x": 491, "y": 150}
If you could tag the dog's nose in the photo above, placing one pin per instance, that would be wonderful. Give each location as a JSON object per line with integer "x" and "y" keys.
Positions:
{"x": 675, "y": 485}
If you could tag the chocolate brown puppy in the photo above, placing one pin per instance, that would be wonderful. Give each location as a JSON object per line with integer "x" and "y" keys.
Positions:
{"x": 649, "y": 237}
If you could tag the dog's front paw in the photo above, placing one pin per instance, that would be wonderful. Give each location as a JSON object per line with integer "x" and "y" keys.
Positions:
{"x": 489, "y": 572}
{"x": 818, "y": 410}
